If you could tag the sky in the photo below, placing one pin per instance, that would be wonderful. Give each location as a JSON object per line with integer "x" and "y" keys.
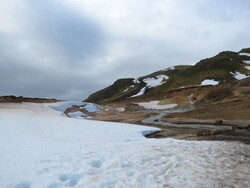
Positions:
{"x": 68, "y": 49}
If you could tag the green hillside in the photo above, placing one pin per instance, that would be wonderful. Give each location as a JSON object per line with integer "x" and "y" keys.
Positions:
{"x": 226, "y": 68}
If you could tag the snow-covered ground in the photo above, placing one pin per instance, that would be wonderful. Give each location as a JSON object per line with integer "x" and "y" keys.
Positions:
{"x": 209, "y": 82}
{"x": 41, "y": 148}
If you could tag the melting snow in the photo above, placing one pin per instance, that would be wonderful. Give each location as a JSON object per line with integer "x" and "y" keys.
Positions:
{"x": 238, "y": 75}
{"x": 209, "y": 82}
{"x": 155, "y": 105}
{"x": 41, "y": 148}
{"x": 76, "y": 114}
{"x": 91, "y": 107}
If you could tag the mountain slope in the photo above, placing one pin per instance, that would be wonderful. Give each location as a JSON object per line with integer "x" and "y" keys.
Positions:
{"x": 226, "y": 68}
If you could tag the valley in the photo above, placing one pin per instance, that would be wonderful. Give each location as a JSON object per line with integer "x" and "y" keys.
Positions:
{"x": 211, "y": 99}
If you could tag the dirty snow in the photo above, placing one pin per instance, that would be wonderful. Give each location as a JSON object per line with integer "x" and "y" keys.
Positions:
{"x": 42, "y": 148}
{"x": 209, "y": 82}
{"x": 155, "y": 105}
{"x": 239, "y": 76}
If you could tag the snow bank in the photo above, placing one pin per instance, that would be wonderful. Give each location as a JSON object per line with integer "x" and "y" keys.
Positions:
{"x": 209, "y": 82}
{"x": 239, "y": 76}
{"x": 40, "y": 148}
{"x": 154, "y": 105}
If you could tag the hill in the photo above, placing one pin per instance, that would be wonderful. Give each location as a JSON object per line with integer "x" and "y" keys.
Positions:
{"x": 224, "y": 69}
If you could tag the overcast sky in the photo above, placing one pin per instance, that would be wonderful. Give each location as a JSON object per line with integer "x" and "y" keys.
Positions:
{"x": 68, "y": 49}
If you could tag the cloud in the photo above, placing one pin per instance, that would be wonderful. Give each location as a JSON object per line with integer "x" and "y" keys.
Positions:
{"x": 70, "y": 48}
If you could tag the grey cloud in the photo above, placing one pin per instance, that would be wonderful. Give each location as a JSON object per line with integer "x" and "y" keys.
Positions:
{"x": 69, "y": 32}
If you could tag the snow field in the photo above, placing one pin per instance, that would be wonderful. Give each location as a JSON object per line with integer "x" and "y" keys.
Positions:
{"x": 41, "y": 148}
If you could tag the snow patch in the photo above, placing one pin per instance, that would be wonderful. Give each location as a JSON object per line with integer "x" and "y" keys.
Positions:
{"x": 247, "y": 61}
{"x": 141, "y": 92}
{"x": 209, "y": 82}
{"x": 155, "y": 105}
{"x": 157, "y": 81}
{"x": 120, "y": 109}
{"x": 136, "y": 81}
{"x": 132, "y": 86}
{"x": 239, "y": 76}
{"x": 151, "y": 83}
{"x": 247, "y": 67}
{"x": 244, "y": 54}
